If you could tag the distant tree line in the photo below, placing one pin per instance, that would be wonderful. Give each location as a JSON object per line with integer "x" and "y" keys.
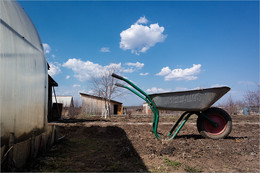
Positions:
{"x": 251, "y": 101}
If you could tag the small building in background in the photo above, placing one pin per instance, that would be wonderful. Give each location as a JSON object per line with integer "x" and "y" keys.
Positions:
{"x": 94, "y": 105}
{"x": 133, "y": 110}
{"x": 67, "y": 105}
{"x": 146, "y": 109}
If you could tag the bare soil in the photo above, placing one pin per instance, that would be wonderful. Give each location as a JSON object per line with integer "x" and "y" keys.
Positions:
{"x": 127, "y": 144}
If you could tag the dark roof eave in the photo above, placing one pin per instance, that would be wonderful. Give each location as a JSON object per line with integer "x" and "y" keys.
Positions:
{"x": 52, "y": 81}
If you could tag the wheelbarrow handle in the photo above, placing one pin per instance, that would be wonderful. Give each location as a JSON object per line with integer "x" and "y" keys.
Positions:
{"x": 145, "y": 97}
{"x": 119, "y": 85}
{"x": 133, "y": 85}
{"x": 117, "y": 76}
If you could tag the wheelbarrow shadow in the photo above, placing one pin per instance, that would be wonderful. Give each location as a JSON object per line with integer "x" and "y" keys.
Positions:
{"x": 194, "y": 136}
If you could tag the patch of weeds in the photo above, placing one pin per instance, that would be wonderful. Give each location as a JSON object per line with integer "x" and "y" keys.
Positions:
{"x": 227, "y": 166}
{"x": 114, "y": 167}
{"x": 159, "y": 169}
{"x": 140, "y": 166}
{"x": 63, "y": 154}
{"x": 125, "y": 120}
{"x": 90, "y": 147}
{"x": 192, "y": 169}
{"x": 51, "y": 165}
{"x": 154, "y": 170}
{"x": 172, "y": 118}
{"x": 89, "y": 143}
{"x": 82, "y": 140}
{"x": 67, "y": 170}
{"x": 162, "y": 169}
{"x": 174, "y": 164}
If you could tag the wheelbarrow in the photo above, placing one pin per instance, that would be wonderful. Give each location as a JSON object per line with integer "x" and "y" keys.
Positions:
{"x": 212, "y": 122}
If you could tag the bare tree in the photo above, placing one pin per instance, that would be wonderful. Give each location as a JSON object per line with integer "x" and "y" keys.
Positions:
{"x": 252, "y": 99}
{"x": 231, "y": 106}
{"x": 103, "y": 86}
{"x": 76, "y": 103}
{"x": 75, "y": 110}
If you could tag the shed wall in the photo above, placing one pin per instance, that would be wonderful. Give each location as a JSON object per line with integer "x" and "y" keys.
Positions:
{"x": 93, "y": 106}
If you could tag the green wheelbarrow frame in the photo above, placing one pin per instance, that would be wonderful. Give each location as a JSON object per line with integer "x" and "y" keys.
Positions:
{"x": 184, "y": 117}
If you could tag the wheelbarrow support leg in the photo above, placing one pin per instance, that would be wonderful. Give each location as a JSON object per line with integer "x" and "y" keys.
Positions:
{"x": 177, "y": 123}
{"x": 187, "y": 114}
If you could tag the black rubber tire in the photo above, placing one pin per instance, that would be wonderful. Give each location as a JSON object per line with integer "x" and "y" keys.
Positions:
{"x": 220, "y": 132}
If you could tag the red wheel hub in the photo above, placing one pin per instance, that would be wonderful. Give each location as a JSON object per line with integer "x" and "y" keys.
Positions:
{"x": 220, "y": 120}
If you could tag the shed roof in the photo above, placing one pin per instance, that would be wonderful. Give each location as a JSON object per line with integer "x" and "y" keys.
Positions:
{"x": 52, "y": 81}
{"x": 67, "y": 101}
{"x": 98, "y": 98}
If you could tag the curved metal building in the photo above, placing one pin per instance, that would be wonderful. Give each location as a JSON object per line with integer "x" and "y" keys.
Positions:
{"x": 23, "y": 85}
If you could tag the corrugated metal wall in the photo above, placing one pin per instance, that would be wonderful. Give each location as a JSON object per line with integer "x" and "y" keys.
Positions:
{"x": 23, "y": 74}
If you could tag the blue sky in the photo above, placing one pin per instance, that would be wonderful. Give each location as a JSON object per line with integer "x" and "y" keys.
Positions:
{"x": 160, "y": 46}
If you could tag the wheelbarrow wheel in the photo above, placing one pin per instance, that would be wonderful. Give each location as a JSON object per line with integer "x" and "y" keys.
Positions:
{"x": 221, "y": 117}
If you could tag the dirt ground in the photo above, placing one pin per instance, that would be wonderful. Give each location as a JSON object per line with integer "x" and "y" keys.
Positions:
{"x": 127, "y": 144}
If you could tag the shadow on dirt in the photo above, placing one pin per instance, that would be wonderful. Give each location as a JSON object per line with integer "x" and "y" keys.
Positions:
{"x": 201, "y": 137}
{"x": 190, "y": 136}
{"x": 74, "y": 120}
{"x": 91, "y": 149}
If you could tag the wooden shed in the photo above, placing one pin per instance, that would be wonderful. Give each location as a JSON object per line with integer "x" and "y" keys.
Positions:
{"x": 67, "y": 105}
{"x": 94, "y": 105}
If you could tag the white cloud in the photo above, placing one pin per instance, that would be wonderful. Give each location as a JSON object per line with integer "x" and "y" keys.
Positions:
{"x": 180, "y": 89}
{"x": 105, "y": 49}
{"x": 198, "y": 88}
{"x": 47, "y": 48}
{"x": 91, "y": 92}
{"x": 139, "y": 38}
{"x": 144, "y": 74}
{"x": 54, "y": 69}
{"x": 84, "y": 70}
{"x": 177, "y": 89}
{"x": 164, "y": 71}
{"x": 82, "y": 91}
{"x": 142, "y": 20}
{"x": 75, "y": 85}
{"x": 128, "y": 70}
{"x": 180, "y": 74}
{"x": 133, "y": 67}
{"x": 137, "y": 64}
{"x": 156, "y": 90}
{"x": 217, "y": 85}
{"x": 67, "y": 77}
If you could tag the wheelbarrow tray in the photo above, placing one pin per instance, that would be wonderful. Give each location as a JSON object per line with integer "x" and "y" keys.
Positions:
{"x": 192, "y": 100}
